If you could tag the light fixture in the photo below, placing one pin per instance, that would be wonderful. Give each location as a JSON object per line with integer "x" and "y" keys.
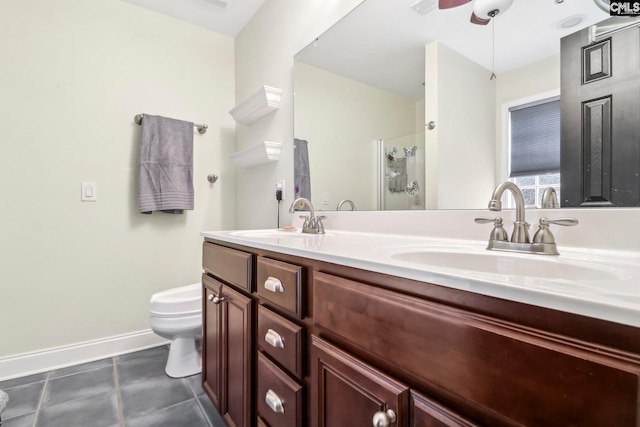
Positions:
{"x": 571, "y": 21}
{"x": 603, "y": 4}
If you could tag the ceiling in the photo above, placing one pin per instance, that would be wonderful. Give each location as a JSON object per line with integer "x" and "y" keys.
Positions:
{"x": 382, "y": 42}
{"x": 226, "y": 17}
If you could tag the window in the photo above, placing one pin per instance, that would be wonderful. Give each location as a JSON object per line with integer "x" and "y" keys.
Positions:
{"x": 534, "y": 141}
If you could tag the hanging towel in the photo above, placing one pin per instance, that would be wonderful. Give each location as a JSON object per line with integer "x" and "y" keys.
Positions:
{"x": 166, "y": 165}
{"x": 301, "y": 172}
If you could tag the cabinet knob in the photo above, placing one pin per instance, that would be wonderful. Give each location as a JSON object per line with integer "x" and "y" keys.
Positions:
{"x": 215, "y": 299}
{"x": 384, "y": 419}
{"x": 274, "y": 339}
{"x": 274, "y": 402}
{"x": 274, "y": 285}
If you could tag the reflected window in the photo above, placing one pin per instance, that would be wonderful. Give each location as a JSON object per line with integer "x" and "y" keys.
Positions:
{"x": 534, "y": 147}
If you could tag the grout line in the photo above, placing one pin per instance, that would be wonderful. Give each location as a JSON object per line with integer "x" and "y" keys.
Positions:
{"x": 118, "y": 395}
{"x": 204, "y": 413}
{"x": 44, "y": 389}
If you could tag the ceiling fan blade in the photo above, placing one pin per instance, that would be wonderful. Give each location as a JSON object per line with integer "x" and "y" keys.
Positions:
{"x": 448, "y": 4}
{"x": 479, "y": 21}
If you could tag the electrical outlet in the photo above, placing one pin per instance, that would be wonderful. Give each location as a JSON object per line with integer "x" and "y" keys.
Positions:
{"x": 280, "y": 186}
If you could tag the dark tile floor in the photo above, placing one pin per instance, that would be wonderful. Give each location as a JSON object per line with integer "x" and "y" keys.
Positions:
{"x": 131, "y": 390}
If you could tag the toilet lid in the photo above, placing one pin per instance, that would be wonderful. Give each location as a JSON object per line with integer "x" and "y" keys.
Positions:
{"x": 182, "y": 301}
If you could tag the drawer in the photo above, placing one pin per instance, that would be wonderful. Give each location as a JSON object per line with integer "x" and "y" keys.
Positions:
{"x": 231, "y": 265}
{"x": 279, "y": 397}
{"x": 466, "y": 355}
{"x": 280, "y": 283}
{"x": 281, "y": 339}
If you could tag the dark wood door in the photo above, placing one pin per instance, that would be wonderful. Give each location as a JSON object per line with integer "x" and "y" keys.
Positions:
{"x": 347, "y": 392}
{"x": 212, "y": 345}
{"x": 237, "y": 359}
{"x": 600, "y": 130}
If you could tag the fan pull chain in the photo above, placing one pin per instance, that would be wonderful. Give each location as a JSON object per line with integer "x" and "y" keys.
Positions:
{"x": 493, "y": 49}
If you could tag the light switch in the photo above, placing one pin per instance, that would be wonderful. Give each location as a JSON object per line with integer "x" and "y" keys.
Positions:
{"x": 88, "y": 192}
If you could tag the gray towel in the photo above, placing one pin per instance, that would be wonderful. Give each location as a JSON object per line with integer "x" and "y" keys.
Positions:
{"x": 166, "y": 165}
{"x": 301, "y": 172}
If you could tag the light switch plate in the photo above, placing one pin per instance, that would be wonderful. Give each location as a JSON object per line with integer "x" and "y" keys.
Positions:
{"x": 88, "y": 192}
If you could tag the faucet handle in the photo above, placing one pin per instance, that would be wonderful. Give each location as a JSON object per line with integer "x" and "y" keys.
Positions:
{"x": 559, "y": 221}
{"x": 498, "y": 232}
{"x": 319, "y": 224}
{"x": 306, "y": 221}
{"x": 543, "y": 235}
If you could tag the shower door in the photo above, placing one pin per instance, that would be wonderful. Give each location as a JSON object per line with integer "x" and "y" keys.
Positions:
{"x": 401, "y": 172}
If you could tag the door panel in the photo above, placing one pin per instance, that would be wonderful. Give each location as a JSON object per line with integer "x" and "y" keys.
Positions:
{"x": 238, "y": 315}
{"x": 600, "y": 130}
{"x": 347, "y": 392}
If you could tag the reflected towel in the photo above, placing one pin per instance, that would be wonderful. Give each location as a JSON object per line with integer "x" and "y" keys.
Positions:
{"x": 166, "y": 165}
{"x": 301, "y": 172}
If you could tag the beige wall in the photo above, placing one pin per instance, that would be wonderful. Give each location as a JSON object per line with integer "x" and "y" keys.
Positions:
{"x": 264, "y": 55}
{"x": 460, "y": 149}
{"x": 342, "y": 118}
{"x": 73, "y": 75}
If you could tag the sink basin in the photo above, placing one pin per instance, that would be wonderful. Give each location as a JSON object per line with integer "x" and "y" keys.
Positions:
{"x": 505, "y": 264}
{"x": 274, "y": 234}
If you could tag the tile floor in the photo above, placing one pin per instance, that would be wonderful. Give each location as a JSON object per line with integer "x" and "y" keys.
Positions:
{"x": 131, "y": 390}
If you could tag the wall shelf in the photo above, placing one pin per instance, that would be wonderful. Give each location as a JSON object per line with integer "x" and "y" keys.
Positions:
{"x": 264, "y": 101}
{"x": 258, "y": 154}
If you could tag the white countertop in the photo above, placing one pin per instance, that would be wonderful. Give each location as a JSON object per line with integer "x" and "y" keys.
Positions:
{"x": 595, "y": 283}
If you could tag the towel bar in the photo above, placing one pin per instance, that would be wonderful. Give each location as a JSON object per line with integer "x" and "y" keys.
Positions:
{"x": 202, "y": 129}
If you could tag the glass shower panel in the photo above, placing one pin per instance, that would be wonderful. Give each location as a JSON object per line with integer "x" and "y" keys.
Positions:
{"x": 401, "y": 164}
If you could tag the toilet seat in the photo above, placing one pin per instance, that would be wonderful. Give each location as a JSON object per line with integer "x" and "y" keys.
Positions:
{"x": 177, "y": 302}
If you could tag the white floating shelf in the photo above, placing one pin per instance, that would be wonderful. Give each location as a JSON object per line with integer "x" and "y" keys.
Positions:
{"x": 258, "y": 154}
{"x": 266, "y": 100}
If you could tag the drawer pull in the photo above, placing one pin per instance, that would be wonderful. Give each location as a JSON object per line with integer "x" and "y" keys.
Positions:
{"x": 215, "y": 299}
{"x": 274, "y": 285}
{"x": 384, "y": 419}
{"x": 274, "y": 339}
{"x": 274, "y": 402}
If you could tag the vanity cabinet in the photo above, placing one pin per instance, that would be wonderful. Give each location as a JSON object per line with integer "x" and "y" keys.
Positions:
{"x": 228, "y": 335}
{"x": 335, "y": 346}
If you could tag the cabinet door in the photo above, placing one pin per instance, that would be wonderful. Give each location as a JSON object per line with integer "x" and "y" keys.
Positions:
{"x": 212, "y": 345}
{"x": 427, "y": 413}
{"x": 237, "y": 358}
{"x": 347, "y": 392}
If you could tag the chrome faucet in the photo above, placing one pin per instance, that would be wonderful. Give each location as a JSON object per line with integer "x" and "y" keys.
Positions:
{"x": 520, "y": 232}
{"x": 312, "y": 224}
{"x": 550, "y": 198}
{"x": 348, "y": 202}
{"x": 543, "y": 240}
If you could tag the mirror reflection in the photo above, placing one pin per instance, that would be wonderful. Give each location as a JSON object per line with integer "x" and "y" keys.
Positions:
{"x": 391, "y": 76}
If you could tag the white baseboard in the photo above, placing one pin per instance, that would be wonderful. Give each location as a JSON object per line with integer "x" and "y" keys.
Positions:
{"x": 23, "y": 364}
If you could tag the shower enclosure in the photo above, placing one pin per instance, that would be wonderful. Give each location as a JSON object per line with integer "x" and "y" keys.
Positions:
{"x": 401, "y": 172}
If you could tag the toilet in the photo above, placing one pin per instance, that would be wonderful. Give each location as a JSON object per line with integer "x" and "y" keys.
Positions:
{"x": 176, "y": 314}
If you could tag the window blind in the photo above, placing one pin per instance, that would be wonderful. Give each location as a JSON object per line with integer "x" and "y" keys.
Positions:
{"x": 535, "y": 138}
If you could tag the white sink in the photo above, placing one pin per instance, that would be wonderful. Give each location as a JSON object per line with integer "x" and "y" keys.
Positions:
{"x": 275, "y": 234}
{"x": 510, "y": 264}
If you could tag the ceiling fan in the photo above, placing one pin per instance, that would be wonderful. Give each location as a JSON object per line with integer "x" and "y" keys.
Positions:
{"x": 483, "y": 10}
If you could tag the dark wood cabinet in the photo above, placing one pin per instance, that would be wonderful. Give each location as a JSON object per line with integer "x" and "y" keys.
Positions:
{"x": 238, "y": 357}
{"x": 228, "y": 331}
{"x": 325, "y": 345}
{"x": 212, "y": 340}
{"x": 346, "y": 392}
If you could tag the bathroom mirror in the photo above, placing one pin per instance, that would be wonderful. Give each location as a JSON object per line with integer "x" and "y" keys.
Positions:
{"x": 360, "y": 98}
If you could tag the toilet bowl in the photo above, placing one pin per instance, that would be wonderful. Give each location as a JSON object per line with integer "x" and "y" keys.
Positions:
{"x": 176, "y": 314}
